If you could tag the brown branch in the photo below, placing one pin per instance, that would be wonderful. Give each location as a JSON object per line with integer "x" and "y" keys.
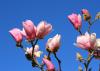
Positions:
{"x": 33, "y": 45}
{"x": 90, "y": 24}
{"x": 59, "y": 62}
{"x": 49, "y": 55}
{"x": 88, "y": 61}
{"x": 80, "y": 32}
{"x": 21, "y": 46}
{"x": 34, "y": 61}
{"x": 99, "y": 67}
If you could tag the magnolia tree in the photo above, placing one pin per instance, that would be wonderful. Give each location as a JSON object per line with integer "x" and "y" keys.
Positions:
{"x": 86, "y": 41}
{"x": 33, "y": 34}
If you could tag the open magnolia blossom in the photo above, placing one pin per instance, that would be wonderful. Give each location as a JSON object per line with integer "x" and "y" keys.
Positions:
{"x": 75, "y": 20}
{"x": 86, "y": 41}
{"x": 53, "y": 44}
{"x": 29, "y": 30}
{"x": 43, "y": 29}
{"x": 36, "y": 53}
{"x": 86, "y": 14}
{"x": 16, "y": 33}
{"x": 49, "y": 64}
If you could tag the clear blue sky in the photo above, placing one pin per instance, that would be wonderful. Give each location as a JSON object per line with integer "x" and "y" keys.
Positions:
{"x": 13, "y": 12}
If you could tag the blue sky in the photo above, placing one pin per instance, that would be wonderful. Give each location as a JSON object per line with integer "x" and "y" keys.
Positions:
{"x": 13, "y": 12}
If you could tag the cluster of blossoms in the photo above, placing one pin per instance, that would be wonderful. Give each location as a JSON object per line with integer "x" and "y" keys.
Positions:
{"x": 32, "y": 34}
{"x": 87, "y": 41}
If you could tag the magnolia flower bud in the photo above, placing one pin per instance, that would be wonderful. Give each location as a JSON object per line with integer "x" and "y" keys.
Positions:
{"x": 49, "y": 64}
{"x": 75, "y": 20}
{"x": 29, "y": 30}
{"x": 86, "y": 14}
{"x": 97, "y": 15}
{"x": 79, "y": 56}
{"x": 43, "y": 29}
{"x": 16, "y": 34}
{"x": 46, "y": 57}
{"x": 53, "y": 44}
{"x": 80, "y": 68}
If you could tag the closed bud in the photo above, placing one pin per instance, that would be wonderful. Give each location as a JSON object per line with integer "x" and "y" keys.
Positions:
{"x": 49, "y": 64}
{"x": 46, "y": 57}
{"x": 97, "y": 16}
{"x": 79, "y": 56}
{"x": 43, "y": 29}
{"x": 76, "y": 20}
{"x": 29, "y": 30}
{"x": 53, "y": 44}
{"x": 86, "y": 14}
{"x": 80, "y": 68}
{"x": 16, "y": 34}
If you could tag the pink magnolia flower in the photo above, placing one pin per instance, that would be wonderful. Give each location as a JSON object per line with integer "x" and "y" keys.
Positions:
{"x": 36, "y": 53}
{"x": 43, "y": 29}
{"x": 53, "y": 44}
{"x": 86, "y": 14}
{"x": 16, "y": 33}
{"x": 86, "y": 41}
{"x": 29, "y": 30}
{"x": 75, "y": 20}
{"x": 49, "y": 64}
{"x": 29, "y": 38}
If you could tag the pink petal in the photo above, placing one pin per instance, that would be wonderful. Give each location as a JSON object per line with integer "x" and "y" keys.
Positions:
{"x": 48, "y": 29}
{"x": 49, "y": 64}
{"x": 16, "y": 33}
{"x": 30, "y": 29}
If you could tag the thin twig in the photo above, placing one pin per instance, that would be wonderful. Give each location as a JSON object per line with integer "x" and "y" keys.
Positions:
{"x": 21, "y": 46}
{"x": 59, "y": 62}
{"x": 33, "y": 45}
{"x": 38, "y": 65}
{"x": 49, "y": 55}
{"x": 89, "y": 59}
{"x": 80, "y": 32}
{"x": 88, "y": 62}
{"x": 90, "y": 69}
{"x": 99, "y": 67}
{"x": 89, "y": 26}
{"x": 93, "y": 21}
